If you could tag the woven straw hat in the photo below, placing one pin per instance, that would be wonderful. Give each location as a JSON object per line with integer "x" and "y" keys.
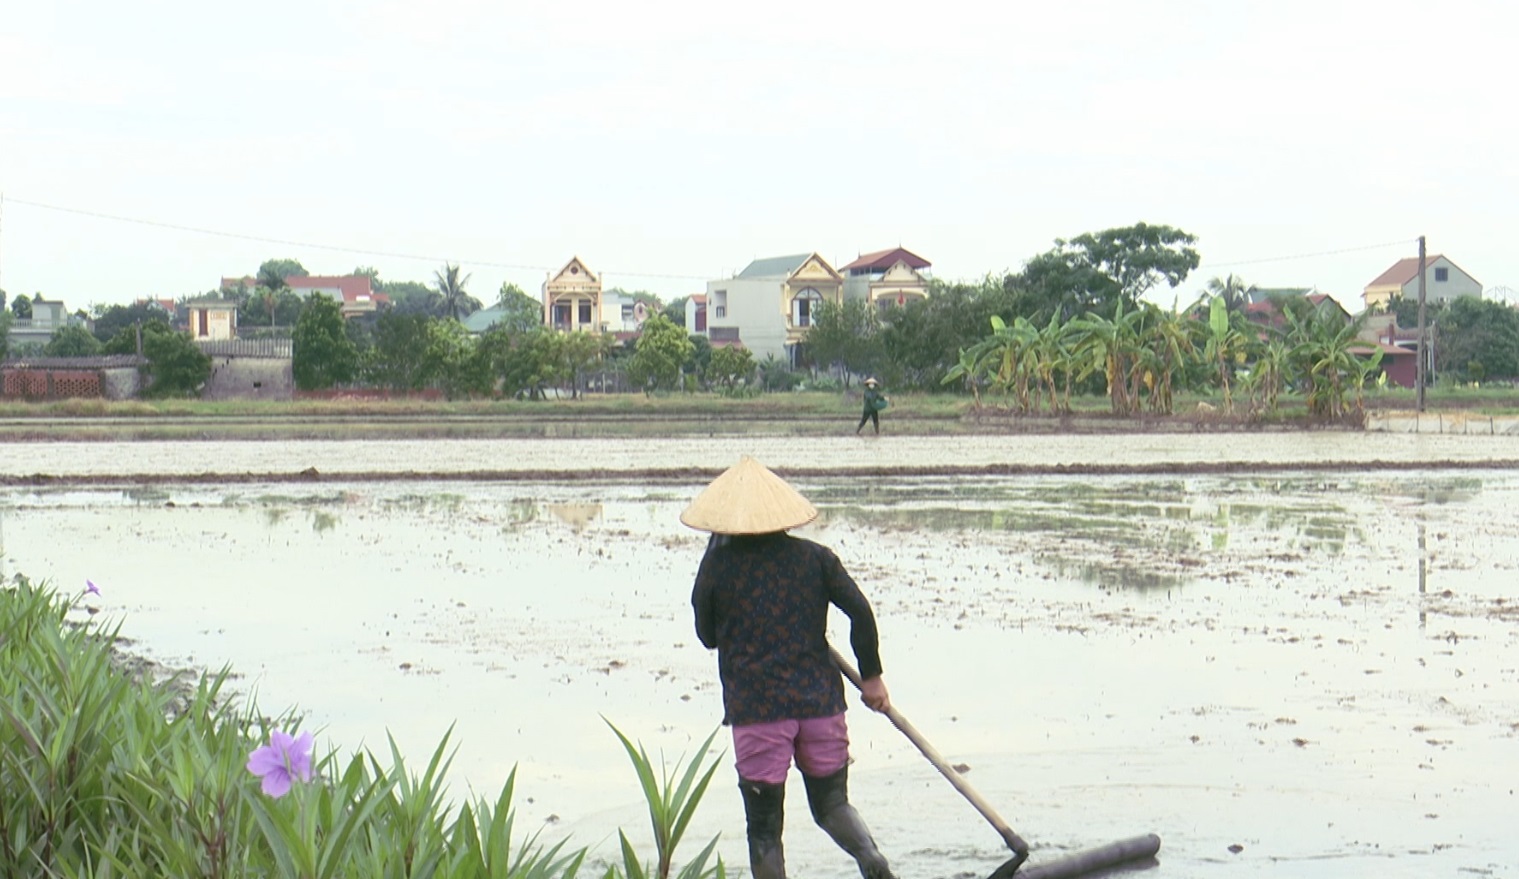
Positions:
{"x": 871, "y": 381}
{"x": 748, "y": 499}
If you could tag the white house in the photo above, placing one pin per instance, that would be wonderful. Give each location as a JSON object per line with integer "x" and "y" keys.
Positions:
{"x": 769, "y": 306}
{"x": 1444, "y": 280}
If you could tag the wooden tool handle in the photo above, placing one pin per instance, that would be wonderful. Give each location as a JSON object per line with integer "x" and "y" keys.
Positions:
{"x": 1013, "y": 840}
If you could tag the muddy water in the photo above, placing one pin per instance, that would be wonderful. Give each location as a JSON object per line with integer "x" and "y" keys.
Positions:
{"x": 1319, "y": 669}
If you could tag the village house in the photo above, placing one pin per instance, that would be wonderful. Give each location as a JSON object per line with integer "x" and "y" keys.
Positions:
{"x": 769, "y": 306}
{"x": 572, "y": 299}
{"x": 354, "y": 293}
{"x": 1444, "y": 280}
{"x": 887, "y": 278}
{"x": 211, "y": 320}
{"x": 48, "y": 317}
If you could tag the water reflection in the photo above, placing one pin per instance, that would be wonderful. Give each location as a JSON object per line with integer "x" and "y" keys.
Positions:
{"x": 1139, "y": 533}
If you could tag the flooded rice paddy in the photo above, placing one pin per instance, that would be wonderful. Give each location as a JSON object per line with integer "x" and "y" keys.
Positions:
{"x": 1282, "y": 673}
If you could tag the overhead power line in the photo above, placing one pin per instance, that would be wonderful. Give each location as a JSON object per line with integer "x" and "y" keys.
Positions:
{"x": 337, "y": 248}
{"x": 1252, "y": 262}
{"x": 393, "y": 254}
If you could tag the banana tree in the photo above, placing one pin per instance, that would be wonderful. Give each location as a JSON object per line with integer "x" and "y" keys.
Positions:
{"x": 1227, "y": 346}
{"x": 1168, "y": 347}
{"x": 1111, "y": 346}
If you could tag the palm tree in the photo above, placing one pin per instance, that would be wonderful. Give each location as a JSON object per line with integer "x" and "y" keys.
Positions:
{"x": 1232, "y": 289}
{"x": 451, "y": 290}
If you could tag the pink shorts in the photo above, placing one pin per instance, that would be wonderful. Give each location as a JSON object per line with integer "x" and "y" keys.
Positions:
{"x": 763, "y": 751}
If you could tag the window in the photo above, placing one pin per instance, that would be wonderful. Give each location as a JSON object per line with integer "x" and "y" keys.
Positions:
{"x": 585, "y": 312}
{"x": 725, "y": 334}
{"x": 803, "y": 306}
{"x": 627, "y": 313}
{"x": 1442, "y": 274}
{"x": 720, "y": 303}
{"x": 721, "y": 310}
{"x": 561, "y": 317}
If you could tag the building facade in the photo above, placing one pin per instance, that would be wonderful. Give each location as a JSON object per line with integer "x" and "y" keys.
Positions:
{"x": 769, "y": 306}
{"x": 572, "y": 299}
{"x": 887, "y": 278}
{"x": 1444, "y": 280}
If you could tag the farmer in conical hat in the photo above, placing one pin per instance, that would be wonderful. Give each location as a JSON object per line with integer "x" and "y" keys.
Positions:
{"x": 874, "y": 402}
{"x": 761, "y": 599}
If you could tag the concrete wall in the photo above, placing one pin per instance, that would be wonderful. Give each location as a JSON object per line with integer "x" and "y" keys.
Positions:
{"x": 120, "y": 384}
{"x": 249, "y": 378}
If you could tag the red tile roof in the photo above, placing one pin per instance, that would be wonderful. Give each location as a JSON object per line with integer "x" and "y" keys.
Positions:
{"x": 1403, "y": 271}
{"x": 884, "y": 259}
{"x": 353, "y": 287}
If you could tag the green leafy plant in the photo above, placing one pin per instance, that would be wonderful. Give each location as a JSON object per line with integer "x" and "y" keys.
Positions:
{"x": 672, "y": 798}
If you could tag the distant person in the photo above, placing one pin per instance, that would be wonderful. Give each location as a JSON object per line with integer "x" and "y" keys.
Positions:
{"x": 761, "y": 599}
{"x": 875, "y": 401}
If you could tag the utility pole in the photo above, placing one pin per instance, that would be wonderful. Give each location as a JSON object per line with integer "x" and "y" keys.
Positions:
{"x": 1421, "y": 373}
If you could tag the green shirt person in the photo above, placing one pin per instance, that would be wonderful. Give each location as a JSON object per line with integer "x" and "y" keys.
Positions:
{"x": 875, "y": 401}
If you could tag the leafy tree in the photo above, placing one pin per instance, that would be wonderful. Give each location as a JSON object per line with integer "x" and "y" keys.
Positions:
{"x": 846, "y": 337}
{"x": 456, "y": 301}
{"x": 22, "y": 308}
{"x": 1097, "y": 270}
{"x": 399, "y": 358}
{"x": 6, "y": 319}
{"x": 125, "y": 340}
{"x": 777, "y": 375}
{"x": 323, "y": 355}
{"x": 72, "y": 341}
{"x": 176, "y": 365}
{"x": 273, "y": 272}
{"x": 578, "y": 352}
{"x": 699, "y": 362}
{"x": 731, "y": 366}
{"x": 675, "y": 310}
{"x": 414, "y": 297}
{"x": 111, "y": 319}
{"x": 264, "y": 307}
{"x": 1476, "y": 339}
{"x": 661, "y": 349}
{"x": 516, "y": 364}
{"x": 3, "y": 298}
{"x": 522, "y": 312}
{"x": 920, "y": 340}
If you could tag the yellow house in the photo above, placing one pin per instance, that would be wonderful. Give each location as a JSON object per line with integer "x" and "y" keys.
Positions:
{"x": 210, "y": 320}
{"x": 887, "y": 278}
{"x": 811, "y": 284}
{"x": 572, "y": 298}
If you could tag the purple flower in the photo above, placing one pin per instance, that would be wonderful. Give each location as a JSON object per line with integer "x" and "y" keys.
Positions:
{"x": 90, "y": 588}
{"x": 281, "y": 761}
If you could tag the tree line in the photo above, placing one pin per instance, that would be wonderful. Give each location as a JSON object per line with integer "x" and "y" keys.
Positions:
{"x": 1071, "y": 321}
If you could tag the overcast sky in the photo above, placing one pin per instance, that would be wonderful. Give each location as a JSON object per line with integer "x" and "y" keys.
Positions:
{"x": 668, "y": 143}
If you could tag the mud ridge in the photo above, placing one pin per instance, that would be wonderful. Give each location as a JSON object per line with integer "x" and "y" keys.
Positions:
{"x": 696, "y": 474}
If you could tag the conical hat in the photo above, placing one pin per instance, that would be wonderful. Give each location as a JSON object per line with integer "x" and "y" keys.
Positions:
{"x": 748, "y": 499}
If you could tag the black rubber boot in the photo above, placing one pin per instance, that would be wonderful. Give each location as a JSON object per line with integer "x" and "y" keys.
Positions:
{"x": 829, "y": 798}
{"x": 764, "y": 810}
